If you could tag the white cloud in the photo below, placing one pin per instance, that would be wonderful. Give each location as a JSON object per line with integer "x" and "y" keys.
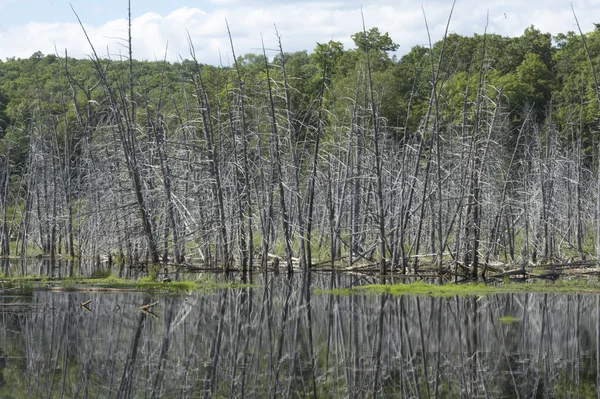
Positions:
{"x": 301, "y": 25}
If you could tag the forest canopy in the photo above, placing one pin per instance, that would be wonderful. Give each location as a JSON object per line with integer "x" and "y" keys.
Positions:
{"x": 532, "y": 70}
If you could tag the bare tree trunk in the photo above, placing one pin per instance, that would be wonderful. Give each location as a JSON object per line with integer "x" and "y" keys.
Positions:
{"x": 278, "y": 171}
{"x": 475, "y": 189}
{"x": 292, "y": 138}
{"x": 211, "y": 154}
{"x": 160, "y": 136}
{"x": 313, "y": 174}
{"x": 125, "y": 125}
{"x": 4, "y": 179}
{"x": 378, "y": 168}
{"x": 249, "y": 251}
{"x": 436, "y": 91}
{"x": 578, "y": 183}
{"x": 597, "y": 90}
{"x": 355, "y": 246}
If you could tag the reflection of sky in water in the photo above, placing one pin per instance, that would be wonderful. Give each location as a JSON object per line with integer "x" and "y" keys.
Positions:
{"x": 281, "y": 342}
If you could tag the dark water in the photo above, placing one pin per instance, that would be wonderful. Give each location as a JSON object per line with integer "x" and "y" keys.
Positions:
{"x": 283, "y": 338}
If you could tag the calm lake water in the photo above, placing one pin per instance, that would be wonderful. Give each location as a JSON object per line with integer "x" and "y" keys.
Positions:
{"x": 283, "y": 338}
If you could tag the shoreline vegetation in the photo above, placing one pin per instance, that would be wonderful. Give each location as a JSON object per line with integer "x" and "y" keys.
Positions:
{"x": 470, "y": 158}
{"x": 428, "y": 286}
{"x": 107, "y": 283}
{"x": 420, "y": 288}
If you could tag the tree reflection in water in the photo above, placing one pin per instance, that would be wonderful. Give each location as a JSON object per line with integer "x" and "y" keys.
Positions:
{"x": 281, "y": 339}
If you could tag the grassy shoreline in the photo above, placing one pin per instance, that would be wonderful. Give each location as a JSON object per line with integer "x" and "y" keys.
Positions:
{"x": 112, "y": 283}
{"x": 472, "y": 289}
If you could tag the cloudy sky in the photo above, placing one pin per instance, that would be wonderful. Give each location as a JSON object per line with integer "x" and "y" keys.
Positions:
{"x": 27, "y": 26}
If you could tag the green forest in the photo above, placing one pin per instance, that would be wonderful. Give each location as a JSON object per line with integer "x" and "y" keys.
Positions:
{"x": 472, "y": 151}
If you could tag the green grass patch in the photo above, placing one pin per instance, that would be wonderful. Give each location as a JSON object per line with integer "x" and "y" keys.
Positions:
{"x": 100, "y": 273}
{"x": 145, "y": 284}
{"x": 472, "y": 289}
{"x": 508, "y": 320}
{"x": 23, "y": 279}
{"x": 150, "y": 284}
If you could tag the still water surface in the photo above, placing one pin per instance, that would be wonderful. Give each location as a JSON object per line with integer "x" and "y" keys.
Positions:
{"x": 283, "y": 338}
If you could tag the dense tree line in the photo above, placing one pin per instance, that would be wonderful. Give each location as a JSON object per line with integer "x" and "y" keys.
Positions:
{"x": 471, "y": 150}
